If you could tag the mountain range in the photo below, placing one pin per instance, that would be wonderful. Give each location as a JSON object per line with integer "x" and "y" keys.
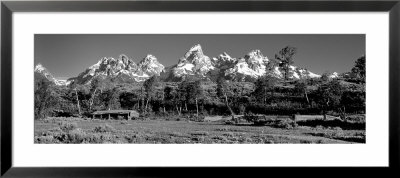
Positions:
{"x": 194, "y": 63}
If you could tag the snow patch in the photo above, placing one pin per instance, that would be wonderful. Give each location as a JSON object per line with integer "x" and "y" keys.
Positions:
{"x": 334, "y": 75}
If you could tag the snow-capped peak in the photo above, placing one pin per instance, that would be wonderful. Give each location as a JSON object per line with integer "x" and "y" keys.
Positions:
{"x": 150, "y": 65}
{"x": 255, "y": 53}
{"x": 193, "y": 62}
{"x": 225, "y": 57}
{"x": 39, "y": 68}
{"x": 300, "y": 73}
{"x": 224, "y": 61}
{"x": 149, "y": 58}
{"x": 124, "y": 58}
{"x": 196, "y": 48}
{"x": 253, "y": 64}
{"x": 122, "y": 68}
{"x": 256, "y": 56}
{"x": 194, "y": 54}
{"x": 97, "y": 65}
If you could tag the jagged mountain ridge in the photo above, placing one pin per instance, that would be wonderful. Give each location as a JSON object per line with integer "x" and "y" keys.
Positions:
{"x": 122, "y": 67}
{"x": 253, "y": 65}
{"x": 193, "y": 63}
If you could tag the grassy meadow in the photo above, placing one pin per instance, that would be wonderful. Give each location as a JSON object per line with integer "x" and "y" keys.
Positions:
{"x": 184, "y": 131}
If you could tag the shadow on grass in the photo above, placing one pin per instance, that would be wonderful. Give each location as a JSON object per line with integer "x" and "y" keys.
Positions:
{"x": 345, "y": 125}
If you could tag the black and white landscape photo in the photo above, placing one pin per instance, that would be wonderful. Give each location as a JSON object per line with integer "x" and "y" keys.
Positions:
{"x": 199, "y": 89}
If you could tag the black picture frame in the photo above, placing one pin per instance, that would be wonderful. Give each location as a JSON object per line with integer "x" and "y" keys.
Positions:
{"x": 8, "y": 7}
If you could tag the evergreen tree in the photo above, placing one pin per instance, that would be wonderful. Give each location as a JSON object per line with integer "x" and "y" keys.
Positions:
{"x": 328, "y": 95}
{"x": 325, "y": 77}
{"x": 45, "y": 98}
{"x": 127, "y": 100}
{"x": 359, "y": 68}
{"x": 111, "y": 99}
{"x": 301, "y": 88}
{"x": 171, "y": 97}
{"x": 263, "y": 87}
{"x": 285, "y": 56}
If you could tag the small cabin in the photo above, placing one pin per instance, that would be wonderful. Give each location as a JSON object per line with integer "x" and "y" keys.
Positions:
{"x": 115, "y": 114}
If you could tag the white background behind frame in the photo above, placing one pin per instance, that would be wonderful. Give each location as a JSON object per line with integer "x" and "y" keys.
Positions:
{"x": 374, "y": 153}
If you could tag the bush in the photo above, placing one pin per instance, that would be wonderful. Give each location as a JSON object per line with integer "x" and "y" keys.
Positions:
{"x": 67, "y": 126}
{"x": 306, "y": 141}
{"x": 199, "y": 118}
{"x": 229, "y": 134}
{"x": 200, "y": 133}
{"x": 282, "y": 108}
{"x": 199, "y": 139}
{"x": 76, "y": 136}
{"x": 103, "y": 129}
{"x": 319, "y": 127}
{"x": 98, "y": 138}
{"x": 333, "y": 133}
{"x": 45, "y": 139}
{"x": 338, "y": 132}
{"x": 285, "y": 123}
{"x": 220, "y": 138}
{"x": 345, "y": 125}
{"x": 146, "y": 114}
{"x": 356, "y": 118}
{"x": 246, "y": 140}
{"x": 229, "y": 122}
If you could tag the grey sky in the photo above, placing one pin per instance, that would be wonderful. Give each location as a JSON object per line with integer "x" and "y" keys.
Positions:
{"x": 66, "y": 56}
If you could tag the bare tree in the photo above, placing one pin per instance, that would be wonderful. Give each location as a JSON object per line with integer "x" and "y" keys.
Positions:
{"x": 222, "y": 91}
{"x": 149, "y": 86}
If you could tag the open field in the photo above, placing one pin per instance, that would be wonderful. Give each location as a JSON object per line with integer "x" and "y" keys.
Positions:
{"x": 78, "y": 130}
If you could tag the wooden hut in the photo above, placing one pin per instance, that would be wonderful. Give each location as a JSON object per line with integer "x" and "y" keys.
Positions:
{"x": 115, "y": 114}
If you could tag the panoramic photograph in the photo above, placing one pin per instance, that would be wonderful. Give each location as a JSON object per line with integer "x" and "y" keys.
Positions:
{"x": 199, "y": 89}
